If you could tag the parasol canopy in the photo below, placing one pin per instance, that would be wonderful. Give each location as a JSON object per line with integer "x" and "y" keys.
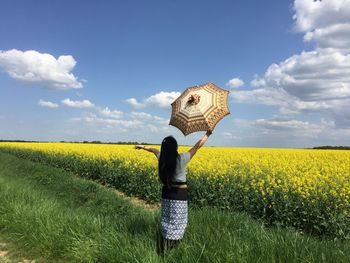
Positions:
{"x": 199, "y": 108}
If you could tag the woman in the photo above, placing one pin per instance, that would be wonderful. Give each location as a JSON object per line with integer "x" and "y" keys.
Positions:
{"x": 172, "y": 174}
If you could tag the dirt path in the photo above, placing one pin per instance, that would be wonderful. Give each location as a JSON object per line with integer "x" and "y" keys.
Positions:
{"x": 3, "y": 252}
{"x": 137, "y": 201}
{"x": 7, "y": 257}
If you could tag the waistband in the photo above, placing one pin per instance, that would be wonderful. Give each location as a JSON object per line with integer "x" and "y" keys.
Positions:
{"x": 174, "y": 193}
{"x": 179, "y": 185}
{"x": 182, "y": 186}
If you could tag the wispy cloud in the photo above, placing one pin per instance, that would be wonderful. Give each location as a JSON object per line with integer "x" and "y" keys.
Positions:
{"x": 42, "y": 69}
{"x": 327, "y": 23}
{"x": 94, "y": 119}
{"x": 235, "y": 83}
{"x": 285, "y": 132}
{"x": 106, "y": 112}
{"x": 78, "y": 103}
{"x": 229, "y": 136}
{"x": 162, "y": 99}
{"x": 149, "y": 117}
{"x": 316, "y": 80}
{"x": 47, "y": 104}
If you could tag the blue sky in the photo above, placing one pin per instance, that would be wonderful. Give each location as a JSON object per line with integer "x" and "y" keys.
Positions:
{"x": 86, "y": 70}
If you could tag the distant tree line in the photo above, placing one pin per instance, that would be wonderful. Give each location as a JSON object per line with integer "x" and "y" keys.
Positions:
{"x": 17, "y": 141}
{"x": 332, "y": 147}
{"x": 93, "y": 142}
{"x": 145, "y": 143}
{"x": 99, "y": 142}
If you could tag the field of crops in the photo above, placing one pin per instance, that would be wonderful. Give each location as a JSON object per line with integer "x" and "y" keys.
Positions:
{"x": 305, "y": 189}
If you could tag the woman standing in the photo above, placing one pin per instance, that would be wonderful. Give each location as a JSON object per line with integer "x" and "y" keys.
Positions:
{"x": 172, "y": 174}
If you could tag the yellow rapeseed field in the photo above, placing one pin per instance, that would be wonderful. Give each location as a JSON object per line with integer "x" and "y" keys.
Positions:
{"x": 311, "y": 187}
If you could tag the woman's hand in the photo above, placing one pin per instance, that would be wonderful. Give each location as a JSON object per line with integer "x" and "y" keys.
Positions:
{"x": 152, "y": 150}
{"x": 139, "y": 147}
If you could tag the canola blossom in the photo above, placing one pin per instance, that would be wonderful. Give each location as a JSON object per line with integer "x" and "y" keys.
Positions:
{"x": 303, "y": 188}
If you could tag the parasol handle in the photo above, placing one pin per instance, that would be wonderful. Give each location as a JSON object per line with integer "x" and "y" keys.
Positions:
{"x": 194, "y": 99}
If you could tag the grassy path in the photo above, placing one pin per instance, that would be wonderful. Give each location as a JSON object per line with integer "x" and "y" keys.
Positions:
{"x": 52, "y": 216}
{"x": 9, "y": 254}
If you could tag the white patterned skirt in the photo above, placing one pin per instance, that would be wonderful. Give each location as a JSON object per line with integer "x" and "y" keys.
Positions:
{"x": 173, "y": 218}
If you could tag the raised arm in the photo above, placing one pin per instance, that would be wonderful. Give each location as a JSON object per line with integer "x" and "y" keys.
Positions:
{"x": 152, "y": 150}
{"x": 199, "y": 144}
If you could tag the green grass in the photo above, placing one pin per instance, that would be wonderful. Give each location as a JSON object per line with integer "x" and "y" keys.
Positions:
{"x": 52, "y": 216}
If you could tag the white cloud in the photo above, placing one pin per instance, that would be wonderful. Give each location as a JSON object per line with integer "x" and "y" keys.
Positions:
{"x": 327, "y": 23}
{"x": 84, "y": 104}
{"x": 161, "y": 99}
{"x": 161, "y": 120}
{"x": 78, "y": 104}
{"x": 335, "y": 36}
{"x": 302, "y": 128}
{"x": 235, "y": 83}
{"x": 278, "y": 97}
{"x": 93, "y": 119}
{"x": 106, "y": 112}
{"x": 149, "y": 117}
{"x": 318, "y": 14}
{"x": 285, "y": 132}
{"x": 133, "y": 102}
{"x": 256, "y": 82}
{"x": 292, "y": 124}
{"x": 229, "y": 136}
{"x": 316, "y": 80}
{"x": 152, "y": 128}
{"x": 321, "y": 74}
{"x": 132, "y": 127}
{"x": 141, "y": 115}
{"x": 41, "y": 69}
{"x": 47, "y": 104}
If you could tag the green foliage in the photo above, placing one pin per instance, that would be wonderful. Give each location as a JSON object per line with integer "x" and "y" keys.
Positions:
{"x": 323, "y": 218}
{"x": 57, "y": 217}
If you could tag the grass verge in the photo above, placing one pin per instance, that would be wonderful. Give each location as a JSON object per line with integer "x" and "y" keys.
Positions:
{"x": 51, "y": 216}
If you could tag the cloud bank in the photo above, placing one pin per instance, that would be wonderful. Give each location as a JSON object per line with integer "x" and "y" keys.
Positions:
{"x": 106, "y": 112}
{"x": 47, "y": 104}
{"x": 81, "y": 104}
{"x": 162, "y": 99}
{"x": 235, "y": 83}
{"x": 316, "y": 80}
{"x": 326, "y": 23}
{"x": 42, "y": 69}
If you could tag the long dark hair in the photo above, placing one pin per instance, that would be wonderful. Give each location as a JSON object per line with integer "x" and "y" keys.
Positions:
{"x": 167, "y": 160}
